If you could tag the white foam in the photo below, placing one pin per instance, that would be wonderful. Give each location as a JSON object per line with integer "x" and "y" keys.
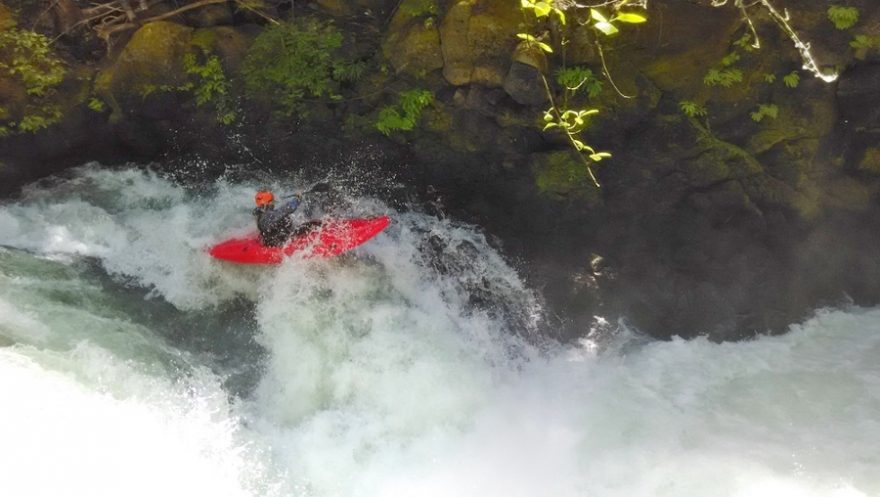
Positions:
{"x": 405, "y": 371}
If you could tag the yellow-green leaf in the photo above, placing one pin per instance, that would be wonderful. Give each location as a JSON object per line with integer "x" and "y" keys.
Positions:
{"x": 542, "y": 9}
{"x": 527, "y": 4}
{"x": 550, "y": 125}
{"x": 525, "y": 36}
{"x": 597, "y": 16}
{"x": 560, "y": 14}
{"x": 630, "y": 18}
{"x": 545, "y": 47}
{"x": 606, "y": 27}
{"x": 599, "y": 156}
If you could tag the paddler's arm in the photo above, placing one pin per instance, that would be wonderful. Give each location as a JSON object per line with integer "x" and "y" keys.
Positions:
{"x": 290, "y": 206}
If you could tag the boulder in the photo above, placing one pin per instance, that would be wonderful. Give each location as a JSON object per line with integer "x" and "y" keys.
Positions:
{"x": 477, "y": 38}
{"x": 152, "y": 59}
{"x": 562, "y": 174}
{"x": 210, "y": 15}
{"x": 412, "y": 43}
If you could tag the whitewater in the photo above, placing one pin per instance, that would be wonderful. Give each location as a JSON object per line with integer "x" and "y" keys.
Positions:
{"x": 133, "y": 364}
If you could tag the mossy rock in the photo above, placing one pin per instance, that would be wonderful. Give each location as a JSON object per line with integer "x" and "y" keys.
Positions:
{"x": 714, "y": 161}
{"x": 7, "y": 18}
{"x": 412, "y": 43}
{"x": 151, "y": 60}
{"x": 562, "y": 175}
{"x": 681, "y": 42}
{"x": 870, "y": 162}
{"x": 847, "y": 194}
{"x": 336, "y": 7}
{"x": 477, "y": 38}
{"x": 226, "y": 42}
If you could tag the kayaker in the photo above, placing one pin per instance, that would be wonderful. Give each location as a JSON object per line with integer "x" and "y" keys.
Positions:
{"x": 275, "y": 225}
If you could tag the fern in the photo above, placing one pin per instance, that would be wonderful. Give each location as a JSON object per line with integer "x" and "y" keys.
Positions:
{"x": 579, "y": 78}
{"x": 406, "y": 113}
{"x": 765, "y": 110}
{"x": 723, "y": 77}
{"x": 791, "y": 79}
{"x": 692, "y": 109}
{"x": 843, "y": 17}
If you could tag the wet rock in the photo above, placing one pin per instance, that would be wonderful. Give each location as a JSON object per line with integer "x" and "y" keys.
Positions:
{"x": 477, "y": 38}
{"x": 858, "y": 95}
{"x": 151, "y": 61}
{"x": 524, "y": 82}
{"x": 210, "y": 15}
{"x": 412, "y": 43}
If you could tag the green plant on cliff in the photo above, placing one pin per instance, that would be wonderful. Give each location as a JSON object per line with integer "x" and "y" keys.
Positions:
{"x": 792, "y": 79}
{"x": 843, "y": 17}
{"x": 26, "y": 59}
{"x": 782, "y": 20}
{"x": 725, "y": 74}
{"x": 404, "y": 115}
{"x": 211, "y": 86}
{"x": 577, "y": 79}
{"x": 562, "y": 115}
{"x": 765, "y": 110}
{"x": 865, "y": 42}
{"x": 292, "y": 63}
{"x": 692, "y": 109}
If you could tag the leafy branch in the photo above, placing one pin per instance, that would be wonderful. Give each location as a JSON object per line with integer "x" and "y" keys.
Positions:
{"x": 572, "y": 122}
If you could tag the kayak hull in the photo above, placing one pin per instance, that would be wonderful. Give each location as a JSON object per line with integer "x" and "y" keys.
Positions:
{"x": 323, "y": 240}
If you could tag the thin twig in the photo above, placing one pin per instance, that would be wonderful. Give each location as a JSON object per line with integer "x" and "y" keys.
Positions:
{"x": 608, "y": 73}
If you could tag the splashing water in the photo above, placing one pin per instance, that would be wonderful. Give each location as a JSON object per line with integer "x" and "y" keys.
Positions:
{"x": 133, "y": 364}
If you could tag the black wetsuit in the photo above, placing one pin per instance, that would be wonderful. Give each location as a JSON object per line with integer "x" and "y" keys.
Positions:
{"x": 275, "y": 225}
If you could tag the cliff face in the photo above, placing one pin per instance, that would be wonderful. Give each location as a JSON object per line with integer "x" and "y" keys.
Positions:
{"x": 741, "y": 194}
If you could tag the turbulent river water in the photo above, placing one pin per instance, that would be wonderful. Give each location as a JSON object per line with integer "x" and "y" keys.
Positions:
{"x": 132, "y": 364}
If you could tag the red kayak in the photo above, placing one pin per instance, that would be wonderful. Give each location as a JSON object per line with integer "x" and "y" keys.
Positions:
{"x": 315, "y": 239}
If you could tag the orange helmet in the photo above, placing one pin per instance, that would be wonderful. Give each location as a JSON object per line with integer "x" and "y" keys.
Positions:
{"x": 263, "y": 198}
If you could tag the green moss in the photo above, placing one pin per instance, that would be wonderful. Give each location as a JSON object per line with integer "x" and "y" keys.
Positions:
{"x": 561, "y": 174}
{"x": 419, "y": 8}
{"x": 292, "y": 63}
{"x": 870, "y": 162}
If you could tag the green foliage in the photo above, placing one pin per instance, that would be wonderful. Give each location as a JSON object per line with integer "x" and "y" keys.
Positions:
{"x": 560, "y": 116}
{"x": 843, "y": 17}
{"x": 726, "y": 77}
{"x": 26, "y": 57}
{"x": 765, "y": 110}
{"x": 531, "y": 39}
{"x": 579, "y": 78}
{"x": 692, "y": 109}
{"x": 865, "y": 42}
{"x": 745, "y": 42}
{"x": 210, "y": 86}
{"x": 769, "y": 78}
{"x": 730, "y": 59}
{"x": 543, "y": 8}
{"x": 607, "y": 26}
{"x": 293, "y": 62}
{"x": 792, "y": 79}
{"x": 96, "y": 104}
{"x": 404, "y": 115}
